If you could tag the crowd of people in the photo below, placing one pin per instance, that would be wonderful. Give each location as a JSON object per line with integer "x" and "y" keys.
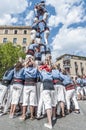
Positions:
{"x": 36, "y": 87}
{"x": 40, "y": 90}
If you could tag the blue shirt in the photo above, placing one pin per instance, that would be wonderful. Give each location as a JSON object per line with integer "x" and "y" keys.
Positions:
{"x": 66, "y": 79}
{"x": 8, "y": 74}
{"x": 56, "y": 74}
{"x": 30, "y": 72}
{"x": 46, "y": 75}
{"x": 19, "y": 74}
{"x": 32, "y": 46}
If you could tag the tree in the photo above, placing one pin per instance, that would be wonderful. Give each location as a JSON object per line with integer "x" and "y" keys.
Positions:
{"x": 9, "y": 55}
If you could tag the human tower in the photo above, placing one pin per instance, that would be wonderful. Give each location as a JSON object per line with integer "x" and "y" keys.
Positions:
{"x": 39, "y": 47}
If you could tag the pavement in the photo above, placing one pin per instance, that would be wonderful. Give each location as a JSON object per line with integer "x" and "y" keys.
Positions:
{"x": 70, "y": 122}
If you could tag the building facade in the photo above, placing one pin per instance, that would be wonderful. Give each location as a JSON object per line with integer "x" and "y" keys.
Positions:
{"x": 75, "y": 65}
{"x": 18, "y": 35}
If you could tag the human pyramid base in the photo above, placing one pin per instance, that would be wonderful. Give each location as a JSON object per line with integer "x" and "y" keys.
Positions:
{"x": 36, "y": 87}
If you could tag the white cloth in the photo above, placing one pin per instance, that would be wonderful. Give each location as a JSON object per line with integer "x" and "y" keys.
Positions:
{"x": 3, "y": 90}
{"x": 33, "y": 34}
{"x": 71, "y": 94}
{"x": 29, "y": 96}
{"x": 46, "y": 35}
{"x": 45, "y": 16}
{"x": 17, "y": 90}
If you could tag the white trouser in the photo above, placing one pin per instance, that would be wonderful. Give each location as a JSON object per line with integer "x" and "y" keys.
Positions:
{"x": 17, "y": 90}
{"x": 38, "y": 40}
{"x": 29, "y": 96}
{"x": 79, "y": 90}
{"x": 37, "y": 62}
{"x": 71, "y": 94}
{"x": 9, "y": 99}
{"x": 43, "y": 57}
{"x": 3, "y": 90}
{"x": 46, "y": 35}
{"x": 45, "y": 16}
{"x": 84, "y": 88}
{"x": 33, "y": 34}
{"x": 41, "y": 107}
{"x": 60, "y": 93}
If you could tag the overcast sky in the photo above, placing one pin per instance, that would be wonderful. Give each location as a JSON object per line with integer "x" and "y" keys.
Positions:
{"x": 67, "y": 22}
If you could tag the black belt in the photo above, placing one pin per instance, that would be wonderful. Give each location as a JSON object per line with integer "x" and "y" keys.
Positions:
{"x": 19, "y": 81}
{"x": 30, "y": 81}
{"x": 5, "y": 82}
{"x": 38, "y": 58}
{"x": 31, "y": 52}
{"x": 48, "y": 85}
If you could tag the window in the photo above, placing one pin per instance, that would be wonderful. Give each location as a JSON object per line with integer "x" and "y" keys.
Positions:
{"x": 24, "y": 40}
{"x": 24, "y": 48}
{"x": 82, "y": 68}
{"x": 25, "y": 31}
{"x": 76, "y": 68}
{"x": 14, "y": 40}
{"x": 6, "y": 31}
{"x": 15, "y": 31}
{"x": 4, "y": 40}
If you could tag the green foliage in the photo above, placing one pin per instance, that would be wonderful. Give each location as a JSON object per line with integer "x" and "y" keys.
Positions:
{"x": 9, "y": 55}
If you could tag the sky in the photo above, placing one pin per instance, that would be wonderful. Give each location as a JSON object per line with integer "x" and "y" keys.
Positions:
{"x": 67, "y": 22}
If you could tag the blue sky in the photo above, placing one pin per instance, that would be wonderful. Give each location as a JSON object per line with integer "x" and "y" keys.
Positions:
{"x": 67, "y": 22}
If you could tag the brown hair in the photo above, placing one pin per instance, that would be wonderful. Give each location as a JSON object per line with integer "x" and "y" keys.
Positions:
{"x": 18, "y": 66}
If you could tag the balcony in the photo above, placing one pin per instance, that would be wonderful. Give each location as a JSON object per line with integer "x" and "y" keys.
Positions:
{"x": 66, "y": 65}
{"x": 66, "y": 58}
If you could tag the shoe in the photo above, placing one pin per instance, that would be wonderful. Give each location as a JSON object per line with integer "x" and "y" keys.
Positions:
{"x": 22, "y": 118}
{"x": 39, "y": 117}
{"x": 54, "y": 118}
{"x": 48, "y": 126}
{"x": 32, "y": 118}
{"x": 77, "y": 112}
{"x": 11, "y": 116}
{"x": 1, "y": 114}
{"x": 63, "y": 115}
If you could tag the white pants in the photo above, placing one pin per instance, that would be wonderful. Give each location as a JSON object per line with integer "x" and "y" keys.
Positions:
{"x": 9, "y": 99}
{"x": 38, "y": 40}
{"x": 84, "y": 88}
{"x": 79, "y": 90}
{"x": 45, "y": 16}
{"x": 29, "y": 96}
{"x": 37, "y": 62}
{"x": 33, "y": 34}
{"x": 60, "y": 93}
{"x": 3, "y": 90}
{"x": 43, "y": 57}
{"x": 17, "y": 90}
{"x": 71, "y": 94}
{"x": 46, "y": 35}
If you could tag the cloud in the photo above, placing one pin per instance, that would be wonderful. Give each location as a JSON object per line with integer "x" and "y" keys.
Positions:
{"x": 7, "y": 20}
{"x": 67, "y": 12}
{"x": 29, "y": 18}
{"x": 70, "y": 40}
{"x": 8, "y": 7}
